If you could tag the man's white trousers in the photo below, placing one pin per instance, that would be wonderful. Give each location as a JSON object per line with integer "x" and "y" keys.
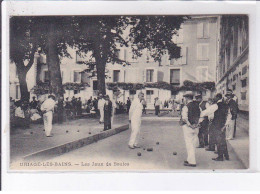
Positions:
{"x": 47, "y": 120}
{"x": 135, "y": 130}
{"x": 101, "y": 111}
{"x": 191, "y": 141}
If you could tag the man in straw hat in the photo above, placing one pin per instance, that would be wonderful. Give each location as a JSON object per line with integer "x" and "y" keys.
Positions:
{"x": 135, "y": 114}
{"x": 47, "y": 109}
{"x": 190, "y": 116}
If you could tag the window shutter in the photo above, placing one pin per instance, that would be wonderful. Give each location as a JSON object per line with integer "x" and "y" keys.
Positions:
{"x": 122, "y": 75}
{"x": 200, "y": 30}
{"x": 184, "y": 55}
{"x": 206, "y": 30}
{"x": 180, "y": 37}
{"x": 144, "y": 75}
{"x": 155, "y": 75}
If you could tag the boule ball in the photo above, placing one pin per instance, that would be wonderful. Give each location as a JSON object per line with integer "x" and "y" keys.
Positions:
{"x": 89, "y": 133}
{"x": 31, "y": 132}
{"x": 149, "y": 149}
{"x": 67, "y": 131}
{"x": 157, "y": 143}
{"x": 174, "y": 153}
{"x": 139, "y": 154}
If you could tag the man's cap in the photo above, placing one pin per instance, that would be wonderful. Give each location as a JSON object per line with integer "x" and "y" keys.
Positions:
{"x": 188, "y": 95}
{"x": 229, "y": 93}
{"x": 198, "y": 96}
{"x": 52, "y": 96}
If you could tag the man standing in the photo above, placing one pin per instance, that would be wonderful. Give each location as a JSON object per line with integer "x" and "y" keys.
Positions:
{"x": 203, "y": 130}
{"x": 101, "y": 103}
{"x": 144, "y": 106}
{"x": 135, "y": 114}
{"x": 190, "y": 116}
{"x": 220, "y": 110}
{"x": 128, "y": 104}
{"x": 34, "y": 103}
{"x": 157, "y": 105}
{"x": 232, "y": 112}
{"x": 47, "y": 109}
{"x": 107, "y": 113}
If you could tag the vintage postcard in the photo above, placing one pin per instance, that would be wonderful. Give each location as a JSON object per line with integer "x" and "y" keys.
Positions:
{"x": 128, "y": 92}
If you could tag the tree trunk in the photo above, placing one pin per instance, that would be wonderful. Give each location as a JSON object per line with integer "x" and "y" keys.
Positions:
{"x": 54, "y": 62}
{"x": 25, "y": 94}
{"x": 101, "y": 76}
{"x": 38, "y": 71}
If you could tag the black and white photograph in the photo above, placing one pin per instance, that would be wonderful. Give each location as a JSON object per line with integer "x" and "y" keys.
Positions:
{"x": 129, "y": 92}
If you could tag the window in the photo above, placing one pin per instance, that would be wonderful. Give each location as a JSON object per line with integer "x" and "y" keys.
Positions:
{"x": 243, "y": 95}
{"x": 149, "y": 75}
{"x": 234, "y": 87}
{"x": 132, "y": 94}
{"x": 244, "y": 83}
{"x": 77, "y": 77}
{"x": 80, "y": 58}
{"x": 116, "y": 74}
{"x": 46, "y": 76}
{"x": 202, "y": 74}
{"x": 203, "y": 52}
{"x": 149, "y": 94}
{"x": 203, "y": 30}
{"x": 175, "y": 76}
{"x": 244, "y": 70}
{"x": 184, "y": 55}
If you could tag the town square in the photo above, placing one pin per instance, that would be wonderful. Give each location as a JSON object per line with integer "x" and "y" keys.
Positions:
{"x": 129, "y": 92}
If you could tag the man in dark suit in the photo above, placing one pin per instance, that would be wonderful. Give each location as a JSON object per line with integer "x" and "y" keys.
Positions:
{"x": 219, "y": 123}
{"x": 232, "y": 115}
{"x": 203, "y": 130}
{"x": 107, "y": 113}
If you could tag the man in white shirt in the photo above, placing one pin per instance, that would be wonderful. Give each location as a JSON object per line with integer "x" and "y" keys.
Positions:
{"x": 135, "y": 114}
{"x": 101, "y": 104}
{"x": 47, "y": 108}
{"x": 191, "y": 116}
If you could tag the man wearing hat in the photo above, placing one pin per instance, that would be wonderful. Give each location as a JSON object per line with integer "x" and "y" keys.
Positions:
{"x": 135, "y": 118}
{"x": 107, "y": 113}
{"x": 47, "y": 109}
{"x": 101, "y": 103}
{"x": 203, "y": 130}
{"x": 219, "y": 124}
{"x": 190, "y": 116}
{"x": 232, "y": 115}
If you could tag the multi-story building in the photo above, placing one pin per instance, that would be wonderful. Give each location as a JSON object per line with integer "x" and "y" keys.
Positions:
{"x": 233, "y": 66}
{"x": 198, "y": 40}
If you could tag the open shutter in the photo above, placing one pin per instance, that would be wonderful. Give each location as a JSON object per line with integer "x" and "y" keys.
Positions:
{"x": 184, "y": 55}
{"x": 122, "y": 75}
{"x": 155, "y": 75}
{"x": 200, "y": 30}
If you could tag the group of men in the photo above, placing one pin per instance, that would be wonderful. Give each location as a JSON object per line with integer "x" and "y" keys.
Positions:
{"x": 208, "y": 124}
{"x": 106, "y": 110}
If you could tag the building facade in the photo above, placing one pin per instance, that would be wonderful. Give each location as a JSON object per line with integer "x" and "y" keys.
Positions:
{"x": 233, "y": 66}
{"x": 198, "y": 41}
